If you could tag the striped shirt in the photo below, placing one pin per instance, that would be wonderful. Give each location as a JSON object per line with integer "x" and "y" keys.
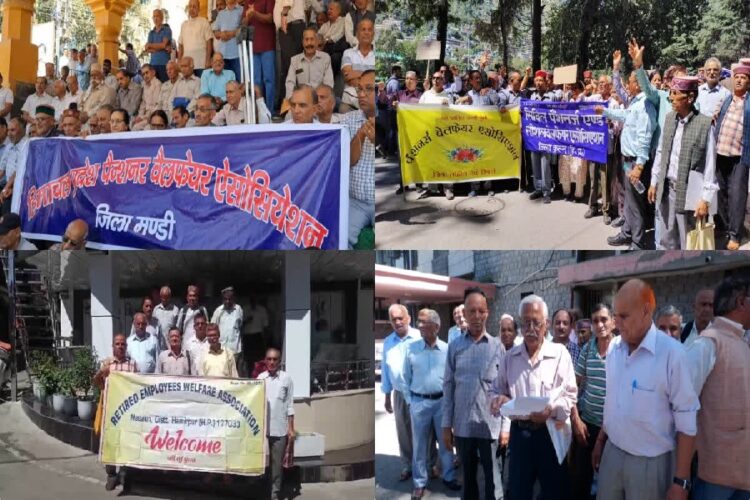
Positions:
{"x": 591, "y": 366}
{"x": 729, "y": 141}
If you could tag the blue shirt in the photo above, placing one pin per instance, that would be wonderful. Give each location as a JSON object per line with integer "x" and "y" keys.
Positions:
{"x": 216, "y": 85}
{"x": 144, "y": 352}
{"x": 83, "y": 73}
{"x": 638, "y": 130}
{"x": 160, "y": 58}
{"x": 710, "y": 100}
{"x": 488, "y": 99}
{"x": 453, "y": 333}
{"x": 424, "y": 367}
{"x": 228, "y": 20}
{"x": 391, "y": 377}
{"x": 660, "y": 100}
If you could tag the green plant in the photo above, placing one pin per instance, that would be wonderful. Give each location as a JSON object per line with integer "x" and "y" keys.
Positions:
{"x": 66, "y": 380}
{"x": 45, "y": 370}
{"x": 83, "y": 371}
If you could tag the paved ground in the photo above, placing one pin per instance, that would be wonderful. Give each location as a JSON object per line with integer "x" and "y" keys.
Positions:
{"x": 509, "y": 220}
{"x": 35, "y": 466}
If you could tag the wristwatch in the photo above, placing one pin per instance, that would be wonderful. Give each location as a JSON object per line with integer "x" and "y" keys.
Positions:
{"x": 685, "y": 484}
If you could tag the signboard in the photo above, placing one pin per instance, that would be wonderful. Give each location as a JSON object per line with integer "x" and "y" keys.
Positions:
{"x": 458, "y": 143}
{"x": 429, "y": 50}
{"x": 184, "y": 423}
{"x": 565, "y": 74}
{"x": 213, "y": 188}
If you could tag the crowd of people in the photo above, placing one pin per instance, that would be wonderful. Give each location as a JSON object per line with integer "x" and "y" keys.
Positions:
{"x": 186, "y": 341}
{"x": 644, "y": 183}
{"x": 635, "y": 404}
{"x": 325, "y": 74}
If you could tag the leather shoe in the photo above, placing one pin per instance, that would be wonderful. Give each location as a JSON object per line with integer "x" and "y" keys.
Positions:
{"x": 618, "y": 222}
{"x": 536, "y": 195}
{"x": 452, "y": 485}
{"x": 417, "y": 493}
{"x": 547, "y": 200}
{"x": 607, "y": 219}
{"x": 591, "y": 212}
{"x": 619, "y": 240}
{"x": 405, "y": 474}
{"x": 112, "y": 482}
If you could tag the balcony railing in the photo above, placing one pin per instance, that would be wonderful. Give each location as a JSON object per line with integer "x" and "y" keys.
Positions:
{"x": 341, "y": 376}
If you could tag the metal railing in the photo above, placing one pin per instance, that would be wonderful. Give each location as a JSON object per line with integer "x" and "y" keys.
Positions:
{"x": 341, "y": 375}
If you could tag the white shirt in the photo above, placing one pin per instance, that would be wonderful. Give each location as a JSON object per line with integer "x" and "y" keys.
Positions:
{"x": 280, "y": 399}
{"x": 230, "y": 326}
{"x": 691, "y": 338}
{"x": 257, "y": 319}
{"x": 702, "y": 357}
{"x": 650, "y": 396}
{"x": 432, "y": 97}
{"x": 357, "y": 60}
{"x": 35, "y": 100}
{"x": 297, "y": 10}
{"x": 6, "y": 97}
{"x": 194, "y": 34}
{"x": 167, "y": 316}
{"x": 197, "y": 350}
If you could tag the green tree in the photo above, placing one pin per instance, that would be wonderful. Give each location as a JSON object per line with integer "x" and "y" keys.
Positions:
{"x": 502, "y": 25}
{"x": 724, "y": 31}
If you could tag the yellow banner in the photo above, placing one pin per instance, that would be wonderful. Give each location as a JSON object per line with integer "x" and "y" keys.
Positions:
{"x": 458, "y": 143}
{"x": 184, "y": 423}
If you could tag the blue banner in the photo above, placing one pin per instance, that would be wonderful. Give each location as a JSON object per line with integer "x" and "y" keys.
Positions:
{"x": 242, "y": 187}
{"x": 566, "y": 128}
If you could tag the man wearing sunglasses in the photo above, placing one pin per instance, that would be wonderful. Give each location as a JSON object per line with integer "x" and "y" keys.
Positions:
{"x": 75, "y": 235}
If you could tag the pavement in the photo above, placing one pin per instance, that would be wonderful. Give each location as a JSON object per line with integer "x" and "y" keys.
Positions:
{"x": 507, "y": 221}
{"x": 35, "y": 466}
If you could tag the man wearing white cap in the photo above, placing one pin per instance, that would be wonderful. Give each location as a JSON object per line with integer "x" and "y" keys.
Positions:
{"x": 733, "y": 155}
{"x": 687, "y": 145}
{"x": 97, "y": 94}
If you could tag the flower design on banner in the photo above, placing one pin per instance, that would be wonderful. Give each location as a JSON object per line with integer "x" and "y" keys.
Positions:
{"x": 465, "y": 154}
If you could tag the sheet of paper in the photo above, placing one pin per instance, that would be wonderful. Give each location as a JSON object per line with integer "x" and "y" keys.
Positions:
{"x": 523, "y": 406}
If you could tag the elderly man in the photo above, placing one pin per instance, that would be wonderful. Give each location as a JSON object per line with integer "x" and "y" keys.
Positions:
{"x": 38, "y": 98}
{"x": 392, "y": 384}
{"x": 470, "y": 369}
{"x": 720, "y": 363}
{"x": 290, "y": 19}
{"x": 424, "y": 367}
{"x": 733, "y": 156}
{"x": 198, "y": 345}
{"x": 703, "y": 315}
{"x": 352, "y": 19}
{"x": 214, "y": 82}
{"x": 103, "y": 118}
{"x": 181, "y": 117}
{"x": 165, "y": 94}
{"x": 205, "y": 111}
{"x": 159, "y": 45}
{"x": 536, "y": 368}
{"x": 74, "y": 92}
{"x": 311, "y": 67}
{"x": 59, "y": 98}
{"x": 687, "y": 145}
{"x": 165, "y": 311}
{"x": 153, "y": 327}
{"x": 83, "y": 69}
{"x": 218, "y": 361}
{"x": 512, "y": 94}
{"x": 326, "y": 104}
{"x": 175, "y": 360}
{"x": 361, "y": 125}
{"x": 129, "y": 93}
{"x": 10, "y": 160}
{"x": 196, "y": 39}
{"x": 233, "y": 112}
{"x": 303, "y": 104}
{"x": 639, "y": 123}
{"x": 76, "y": 234}
{"x": 459, "y": 326}
{"x": 226, "y": 27}
{"x": 669, "y": 321}
{"x": 229, "y": 317}
{"x": 508, "y": 333}
{"x": 649, "y": 409}
{"x": 187, "y": 88}
{"x": 438, "y": 94}
{"x": 10, "y": 234}
{"x": 143, "y": 347}
{"x": 711, "y": 95}
{"x": 6, "y": 100}
{"x": 97, "y": 95}
{"x": 45, "y": 121}
{"x": 540, "y": 162}
{"x": 120, "y": 361}
{"x": 71, "y": 123}
{"x": 563, "y": 332}
{"x": 150, "y": 99}
{"x": 110, "y": 80}
{"x": 185, "y": 316}
{"x": 280, "y": 399}
{"x": 356, "y": 60}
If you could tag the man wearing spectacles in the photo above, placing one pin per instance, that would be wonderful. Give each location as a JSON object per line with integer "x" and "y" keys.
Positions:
{"x": 150, "y": 98}
{"x": 537, "y": 368}
{"x": 711, "y": 94}
{"x": 205, "y": 110}
{"x": 75, "y": 235}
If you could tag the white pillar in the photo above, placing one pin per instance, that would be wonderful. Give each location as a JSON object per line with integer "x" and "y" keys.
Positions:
{"x": 297, "y": 320}
{"x": 104, "y": 298}
{"x": 66, "y": 317}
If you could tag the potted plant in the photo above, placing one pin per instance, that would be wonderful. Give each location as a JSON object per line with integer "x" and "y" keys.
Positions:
{"x": 83, "y": 371}
{"x": 42, "y": 379}
{"x": 62, "y": 381}
{"x": 67, "y": 388}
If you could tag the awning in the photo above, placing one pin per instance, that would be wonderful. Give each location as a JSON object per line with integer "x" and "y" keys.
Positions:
{"x": 407, "y": 286}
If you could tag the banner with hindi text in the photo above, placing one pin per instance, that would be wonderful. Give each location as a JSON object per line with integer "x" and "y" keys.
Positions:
{"x": 458, "y": 143}
{"x": 213, "y": 188}
{"x": 567, "y": 128}
{"x": 184, "y": 423}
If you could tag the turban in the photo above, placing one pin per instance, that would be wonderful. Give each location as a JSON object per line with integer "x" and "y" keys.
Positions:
{"x": 685, "y": 83}
{"x": 47, "y": 110}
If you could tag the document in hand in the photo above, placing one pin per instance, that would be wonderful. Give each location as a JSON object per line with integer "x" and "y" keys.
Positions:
{"x": 523, "y": 406}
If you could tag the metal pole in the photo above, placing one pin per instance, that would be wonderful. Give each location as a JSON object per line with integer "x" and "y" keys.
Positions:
{"x": 11, "y": 279}
{"x": 249, "y": 49}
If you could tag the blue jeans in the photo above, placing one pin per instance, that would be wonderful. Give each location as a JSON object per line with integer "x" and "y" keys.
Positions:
{"x": 264, "y": 75}
{"x": 540, "y": 165}
{"x": 710, "y": 491}
{"x": 361, "y": 215}
{"x": 426, "y": 413}
{"x": 234, "y": 66}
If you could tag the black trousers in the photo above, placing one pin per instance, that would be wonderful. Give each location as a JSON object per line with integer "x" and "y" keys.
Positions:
{"x": 290, "y": 44}
{"x": 468, "y": 449}
{"x": 581, "y": 471}
{"x": 532, "y": 458}
{"x": 732, "y": 176}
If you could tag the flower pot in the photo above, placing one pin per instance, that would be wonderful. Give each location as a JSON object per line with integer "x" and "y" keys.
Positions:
{"x": 85, "y": 409}
{"x": 58, "y": 402}
{"x": 70, "y": 406}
